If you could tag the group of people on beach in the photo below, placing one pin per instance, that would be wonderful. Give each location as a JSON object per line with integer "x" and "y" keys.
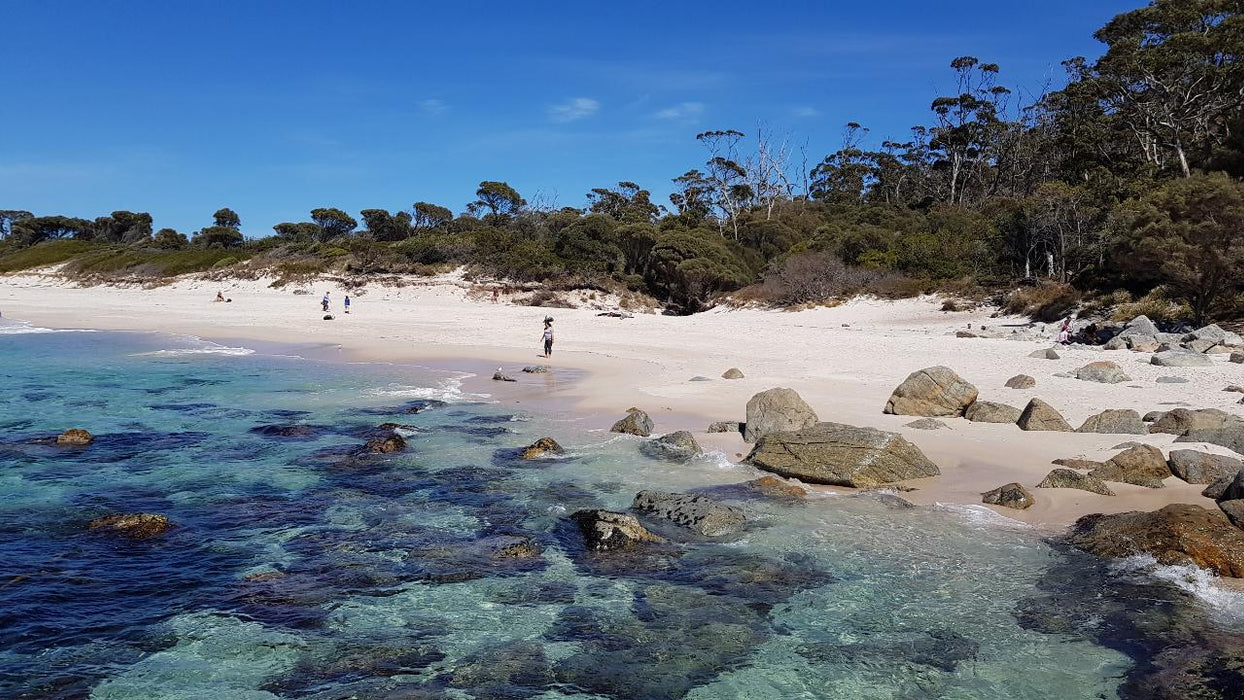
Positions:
{"x": 1089, "y": 335}
{"x": 326, "y": 302}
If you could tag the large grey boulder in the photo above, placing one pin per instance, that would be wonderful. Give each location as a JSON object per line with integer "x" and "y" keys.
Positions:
{"x": 1103, "y": 372}
{"x": 841, "y": 455}
{"x": 1142, "y": 465}
{"x": 1180, "y": 420}
{"x": 1068, "y": 479}
{"x": 695, "y": 512}
{"x": 1141, "y": 325}
{"x": 1012, "y": 495}
{"x": 1230, "y": 436}
{"x": 1120, "y": 421}
{"x": 1039, "y": 415}
{"x": 1197, "y": 467}
{"x": 1219, "y": 486}
{"x": 1201, "y": 346}
{"x": 1214, "y": 334}
{"x": 1178, "y": 358}
{"x": 678, "y": 445}
{"x": 776, "y": 410}
{"x": 636, "y": 422}
{"x": 605, "y": 531}
{"x": 933, "y": 391}
{"x": 990, "y": 412}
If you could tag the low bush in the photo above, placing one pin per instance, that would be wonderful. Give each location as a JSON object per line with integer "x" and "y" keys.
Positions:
{"x": 43, "y": 255}
{"x": 1156, "y": 306}
{"x": 1045, "y": 301}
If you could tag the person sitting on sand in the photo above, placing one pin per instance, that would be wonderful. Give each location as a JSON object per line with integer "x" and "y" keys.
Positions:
{"x": 220, "y": 296}
{"x": 548, "y": 336}
{"x": 1064, "y": 333}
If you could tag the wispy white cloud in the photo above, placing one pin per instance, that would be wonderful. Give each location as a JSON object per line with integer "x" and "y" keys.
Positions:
{"x": 433, "y": 106}
{"x": 805, "y": 112}
{"x": 573, "y": 109}
{"x": 683, "y": 111}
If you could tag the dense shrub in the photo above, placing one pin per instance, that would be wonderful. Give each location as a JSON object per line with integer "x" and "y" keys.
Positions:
{"x": 1047, "y": 301}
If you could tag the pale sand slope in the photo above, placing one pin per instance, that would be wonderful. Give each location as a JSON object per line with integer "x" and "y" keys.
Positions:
{"x": 845, "y": 373}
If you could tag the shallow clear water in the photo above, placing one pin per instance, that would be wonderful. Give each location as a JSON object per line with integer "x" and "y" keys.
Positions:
{"x": 298, "y": 570}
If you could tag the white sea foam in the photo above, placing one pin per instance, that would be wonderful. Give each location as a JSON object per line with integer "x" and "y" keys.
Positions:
{"x": 23, "y": 328}
{"x": 1225, "y": 603}
{"x": 448, "y": 390}
{"x": 981, "y": 516}
{"x": 718, "y": 459}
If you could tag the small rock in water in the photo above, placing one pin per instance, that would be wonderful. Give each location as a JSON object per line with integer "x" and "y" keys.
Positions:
{"x": 500, "y": 376}
{"x": 384, "y": 445}
{"x": 1012, "y": 495}
{"x": 75, "y": 437}
{"x": 678, "y": 445}
{"x": 137, "y": 526}
{"x": 543, "y": 446}
{"x": 841, "y": 455}
{"x": 732, "y": 373}
{"x": 695, "y": 512}
{"x": 536, "y": 369}
{"x": 927, "y": 424}
{"x": 605, "y": 531}
{"x": 776, "y": 488}
{"x": 636, "y": 422}
{"x": 1172, "y": 380}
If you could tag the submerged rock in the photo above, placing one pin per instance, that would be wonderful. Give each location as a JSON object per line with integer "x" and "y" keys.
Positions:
{"x": 1012, "y": 495}
{"x": 774, "y": 487}
{"x": 605, "y": 531}
{"x": 517, "y": 669}
{"x": 776, "y": 410}
{"x": 934, "y": 391}
{"x": 540, "y": 448}
{"x": 1179, "y": 534}
{"x": 500, "y": 376}
{"x": 841, "y": 455}
{"x": 695, "y": 512}
{"x": 385, "y": 445}
{"x": 1115, "y": 421}
{"x": 678, "y": 445}
{"x": 536, "y": 369}
{"x": 137, "y": 526}
{"x": 1143, "y": 465}
{"x": 991, "y": 412}
{"x": 293, "y": 430}
{"x": 75, "y": 437}
{"x": 1067, "y": 479}
{"x": 636, "y": 422}
{"x": 1039, "y": 415}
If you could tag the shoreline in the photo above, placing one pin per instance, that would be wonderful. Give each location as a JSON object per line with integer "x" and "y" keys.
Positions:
{"x": 843, "y": 360}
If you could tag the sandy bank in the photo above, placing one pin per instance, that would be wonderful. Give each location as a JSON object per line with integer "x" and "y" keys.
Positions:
{"x": 844, "y": 361}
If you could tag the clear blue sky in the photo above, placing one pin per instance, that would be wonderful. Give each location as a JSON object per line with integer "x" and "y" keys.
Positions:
{"x": 274, "y": 108}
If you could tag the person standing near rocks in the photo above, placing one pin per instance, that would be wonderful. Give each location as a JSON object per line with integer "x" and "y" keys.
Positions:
{"x": 548, "y": 336}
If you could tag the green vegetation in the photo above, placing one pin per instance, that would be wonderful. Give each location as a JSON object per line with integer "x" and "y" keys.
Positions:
{"x": 1124, "y": 185}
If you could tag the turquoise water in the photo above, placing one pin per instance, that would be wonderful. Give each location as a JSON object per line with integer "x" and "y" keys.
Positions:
{"x": 299, "y": 570}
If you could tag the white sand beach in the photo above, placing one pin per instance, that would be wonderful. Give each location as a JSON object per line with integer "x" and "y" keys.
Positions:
{"x": 845, "y": 361}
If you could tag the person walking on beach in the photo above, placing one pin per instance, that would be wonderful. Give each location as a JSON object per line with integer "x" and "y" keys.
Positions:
{"x": 324, "y": 302}
{"x": 347, "y": 303}
{"x": 548, "y": 336}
